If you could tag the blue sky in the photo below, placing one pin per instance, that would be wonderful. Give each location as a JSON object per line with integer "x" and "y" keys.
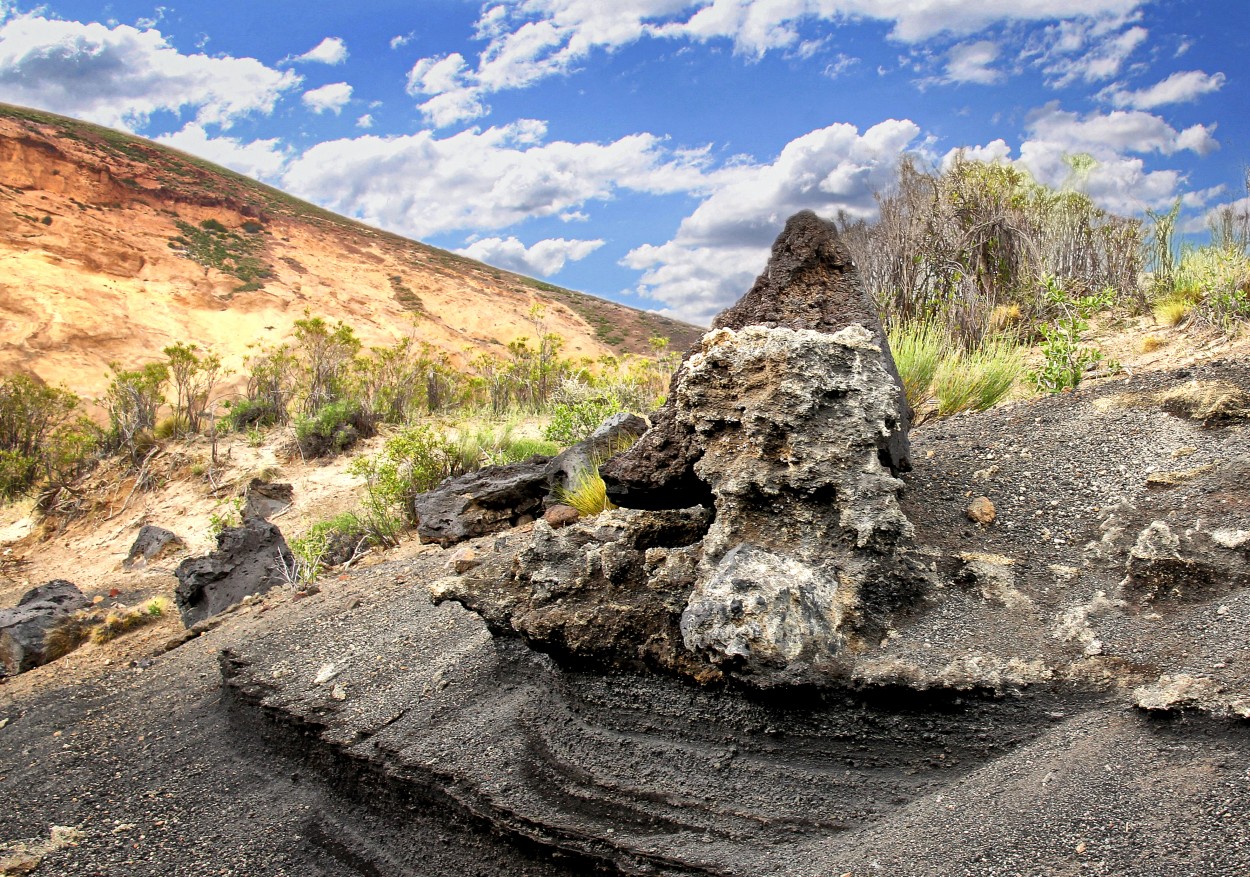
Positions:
{"x": 649, "y": 150}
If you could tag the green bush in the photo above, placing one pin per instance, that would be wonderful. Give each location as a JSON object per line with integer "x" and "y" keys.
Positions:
{"x": 327, "y": 543}
{"x": 411, "y": 462}
{"x": 572, "y": 422}
{"x": 333, "y": 428}
{"x": 43, "y": 437}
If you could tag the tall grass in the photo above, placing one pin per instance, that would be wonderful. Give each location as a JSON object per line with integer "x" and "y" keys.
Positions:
{"x": 917, "y": 348}
{"x": 977, "y": 380}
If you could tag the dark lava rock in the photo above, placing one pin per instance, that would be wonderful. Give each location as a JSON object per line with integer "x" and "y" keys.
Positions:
{"x": 610, "y": 589}
{"x": 496, "y": 498}
{"x": 22, "y": 628}
{"x": 151, "y": 544}
{"x": 264, "y": 499}
{"x": 249, "y": 560}
{"x": 477, "y": 503}
{"x": 810, "y": 283}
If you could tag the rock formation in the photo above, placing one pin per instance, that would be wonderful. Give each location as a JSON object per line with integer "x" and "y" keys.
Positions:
{"x": 150, "y": 544}
{"x": 249, "y": 559}
{"x": 810, "y": 283}
{"x": 496, "y": 498}
{"x": 264, "y": 499}
{"x": 790, "y": 431}
{"x": 23, "y": 627}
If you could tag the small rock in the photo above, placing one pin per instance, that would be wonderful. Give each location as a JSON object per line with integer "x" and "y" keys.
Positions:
{"x": 985, "y": 474}
{"x": 1229, "y": 538}
{"x": 982, "y": 510}
{"x": 339, "y": 692}
{"x": 464, "y": 560}
{"x": 325, "y": 674}
{"x": 561, "y": 516}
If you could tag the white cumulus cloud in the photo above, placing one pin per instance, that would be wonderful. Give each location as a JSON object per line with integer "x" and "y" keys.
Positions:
{"x": 544, "y": 258}
{"x": 331, "y": 50}
{"x": 421, "y": 184}
{"x": 971, "y": 62}
{"x": 529, "y": 40}
{"x": 261, "y": 159}
{"x": 120, "y": 76}
{"x": 1179, "y": 88}
{"x": 1117, "y": 131}
{"x": 328, "y": 98}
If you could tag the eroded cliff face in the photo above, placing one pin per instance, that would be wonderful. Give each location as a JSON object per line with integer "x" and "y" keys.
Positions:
{"x": 91, "y": 271}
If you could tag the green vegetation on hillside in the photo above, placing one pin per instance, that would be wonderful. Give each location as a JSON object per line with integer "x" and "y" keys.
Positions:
{"x": 213, "y": 245}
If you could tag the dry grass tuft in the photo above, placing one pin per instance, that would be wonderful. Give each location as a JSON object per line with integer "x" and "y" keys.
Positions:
{"x": 1151, "y": 343}
{"x": 1172, "y": 311}
{"x": 587, "y": 493}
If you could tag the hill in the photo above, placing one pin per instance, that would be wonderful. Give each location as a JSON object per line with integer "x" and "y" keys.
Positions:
{"x": 113, "y": 247}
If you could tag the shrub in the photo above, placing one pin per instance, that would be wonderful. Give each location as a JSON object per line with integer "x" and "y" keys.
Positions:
{"x": 410, "y": 463}
{"x": 573, "y": 419}
{"x": 327, "y": 543}
{"x": 42, "y": 436}
{"x": 586, "y": 492}
{"x": 333, "y": 428}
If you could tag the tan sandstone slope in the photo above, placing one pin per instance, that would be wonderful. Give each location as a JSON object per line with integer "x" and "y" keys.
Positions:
{"x": 92, "y": 271}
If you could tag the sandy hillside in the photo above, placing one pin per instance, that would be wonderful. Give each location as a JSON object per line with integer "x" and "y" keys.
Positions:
{"x": 104, "y": 256}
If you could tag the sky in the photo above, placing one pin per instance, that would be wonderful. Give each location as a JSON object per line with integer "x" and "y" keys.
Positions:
{"x": 649, "y": 151}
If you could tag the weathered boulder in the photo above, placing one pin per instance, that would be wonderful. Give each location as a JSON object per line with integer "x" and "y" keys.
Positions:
{"x": 264, "y": 499}
{"x": 249, "y": 559}
{"x": 486, "y": 501}
{"x": 804, "y": 549}
{"x": 151, "y": 544}
{"x": 609, "y": 589}
{"x": 809, "y": 544}
{"x": 810, "y": 283}
{"x": 23, "y": 627}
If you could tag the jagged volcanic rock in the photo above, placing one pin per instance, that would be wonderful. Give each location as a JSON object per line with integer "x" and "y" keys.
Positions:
{"x": 248, "y": 560}
{"x": 150, "y": 544}
{"x": 804, "y": 550}
{"x": 810, "y": 283}
{"x": 23, "y": 627}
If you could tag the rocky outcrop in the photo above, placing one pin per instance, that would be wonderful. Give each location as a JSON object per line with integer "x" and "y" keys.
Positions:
{"x": 496, "y": 498}
{"x": 803, "y": 550}
{"x": 608, "y": 590}
{"x": 810, "y": 283}
{"x": 264, "y": 499}
{"x": 152, "y": 543}
{"x": 22, "y": 628}
{"x": 491, "y": 499}
{"x": 616, "y": 434}
{"x": 249, "y": 559}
